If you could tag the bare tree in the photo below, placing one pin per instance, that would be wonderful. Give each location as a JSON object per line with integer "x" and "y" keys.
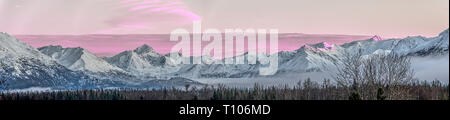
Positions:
{"x": 366, "y": 74}
{"x": 348, "y": 72}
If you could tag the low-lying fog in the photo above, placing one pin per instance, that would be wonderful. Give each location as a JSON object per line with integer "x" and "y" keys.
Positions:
{"x": 432, "y": 68}
{"x": 425, "y": 68}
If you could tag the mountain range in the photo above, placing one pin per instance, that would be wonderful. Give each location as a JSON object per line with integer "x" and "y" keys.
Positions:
{"x": 76, "y": 68}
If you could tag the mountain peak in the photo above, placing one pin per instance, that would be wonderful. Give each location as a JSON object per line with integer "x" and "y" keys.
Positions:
{"x": 376, "y": 38}
{"x": 51, "y": 47}
{"x": 444, "y": 33}
{"x": 5, "y": 36}
{"x": 58, "y": 48}
{"x": 13, "y": 45}
{"x": 323, "y": 46}
{"x": 77, "y": 58}
{"x": 143, "y": 49}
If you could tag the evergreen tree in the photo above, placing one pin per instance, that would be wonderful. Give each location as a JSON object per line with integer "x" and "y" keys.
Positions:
{"x": 380, "y": 94}
{"x": 355, "y": 96}
{"x": 215, "y": 96}
{"x": 444, "y": 97}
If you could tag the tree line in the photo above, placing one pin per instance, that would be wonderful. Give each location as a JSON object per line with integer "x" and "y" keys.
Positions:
{"x": 304, "y": 90}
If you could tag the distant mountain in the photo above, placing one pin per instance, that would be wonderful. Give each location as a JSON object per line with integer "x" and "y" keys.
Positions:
{"x": 143, "y": 61}
{"x": 376, "y": 37}
{"x": 323, "y": 56}
{"x": 416, "y": 45}
{"x": 78, "y": 59}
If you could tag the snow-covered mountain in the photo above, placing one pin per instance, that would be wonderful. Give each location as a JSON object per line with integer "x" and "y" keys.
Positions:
{"x": 143, "y": 61}
{"x": 416, "y": 45}
{"x": 23, "y": 66}
{"x": 78, "y": 59}
{"x": 54, "y": 67}
{"x": 323, "y": 56}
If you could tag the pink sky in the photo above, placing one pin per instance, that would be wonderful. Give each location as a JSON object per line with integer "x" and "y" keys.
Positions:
{"x": 107, "y": 27}
{"x": 386, "y": 18}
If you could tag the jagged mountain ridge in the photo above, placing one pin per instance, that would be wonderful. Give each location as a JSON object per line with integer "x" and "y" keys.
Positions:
{"x": 323, "y": 56}
{"x": 78, "y": 59}
{"x": 23, "y": 66}
{"x": 144, "y": 61}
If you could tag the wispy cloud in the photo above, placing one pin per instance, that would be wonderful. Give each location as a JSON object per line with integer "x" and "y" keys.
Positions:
{"x": 142, "y": 16}
{"x": 94, "y": 16}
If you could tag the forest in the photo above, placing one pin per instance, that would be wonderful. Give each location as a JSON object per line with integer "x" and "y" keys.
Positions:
{"x": 304, "y": 90}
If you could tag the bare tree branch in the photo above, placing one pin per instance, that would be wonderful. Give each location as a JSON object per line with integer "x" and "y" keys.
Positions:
{"x": 365, "y": 74}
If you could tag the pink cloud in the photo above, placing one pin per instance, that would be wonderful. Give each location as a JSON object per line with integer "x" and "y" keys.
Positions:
{"x": 141, "y": 16}
{"x": 189, "y": 14}
{"x": 141, "y": 7}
